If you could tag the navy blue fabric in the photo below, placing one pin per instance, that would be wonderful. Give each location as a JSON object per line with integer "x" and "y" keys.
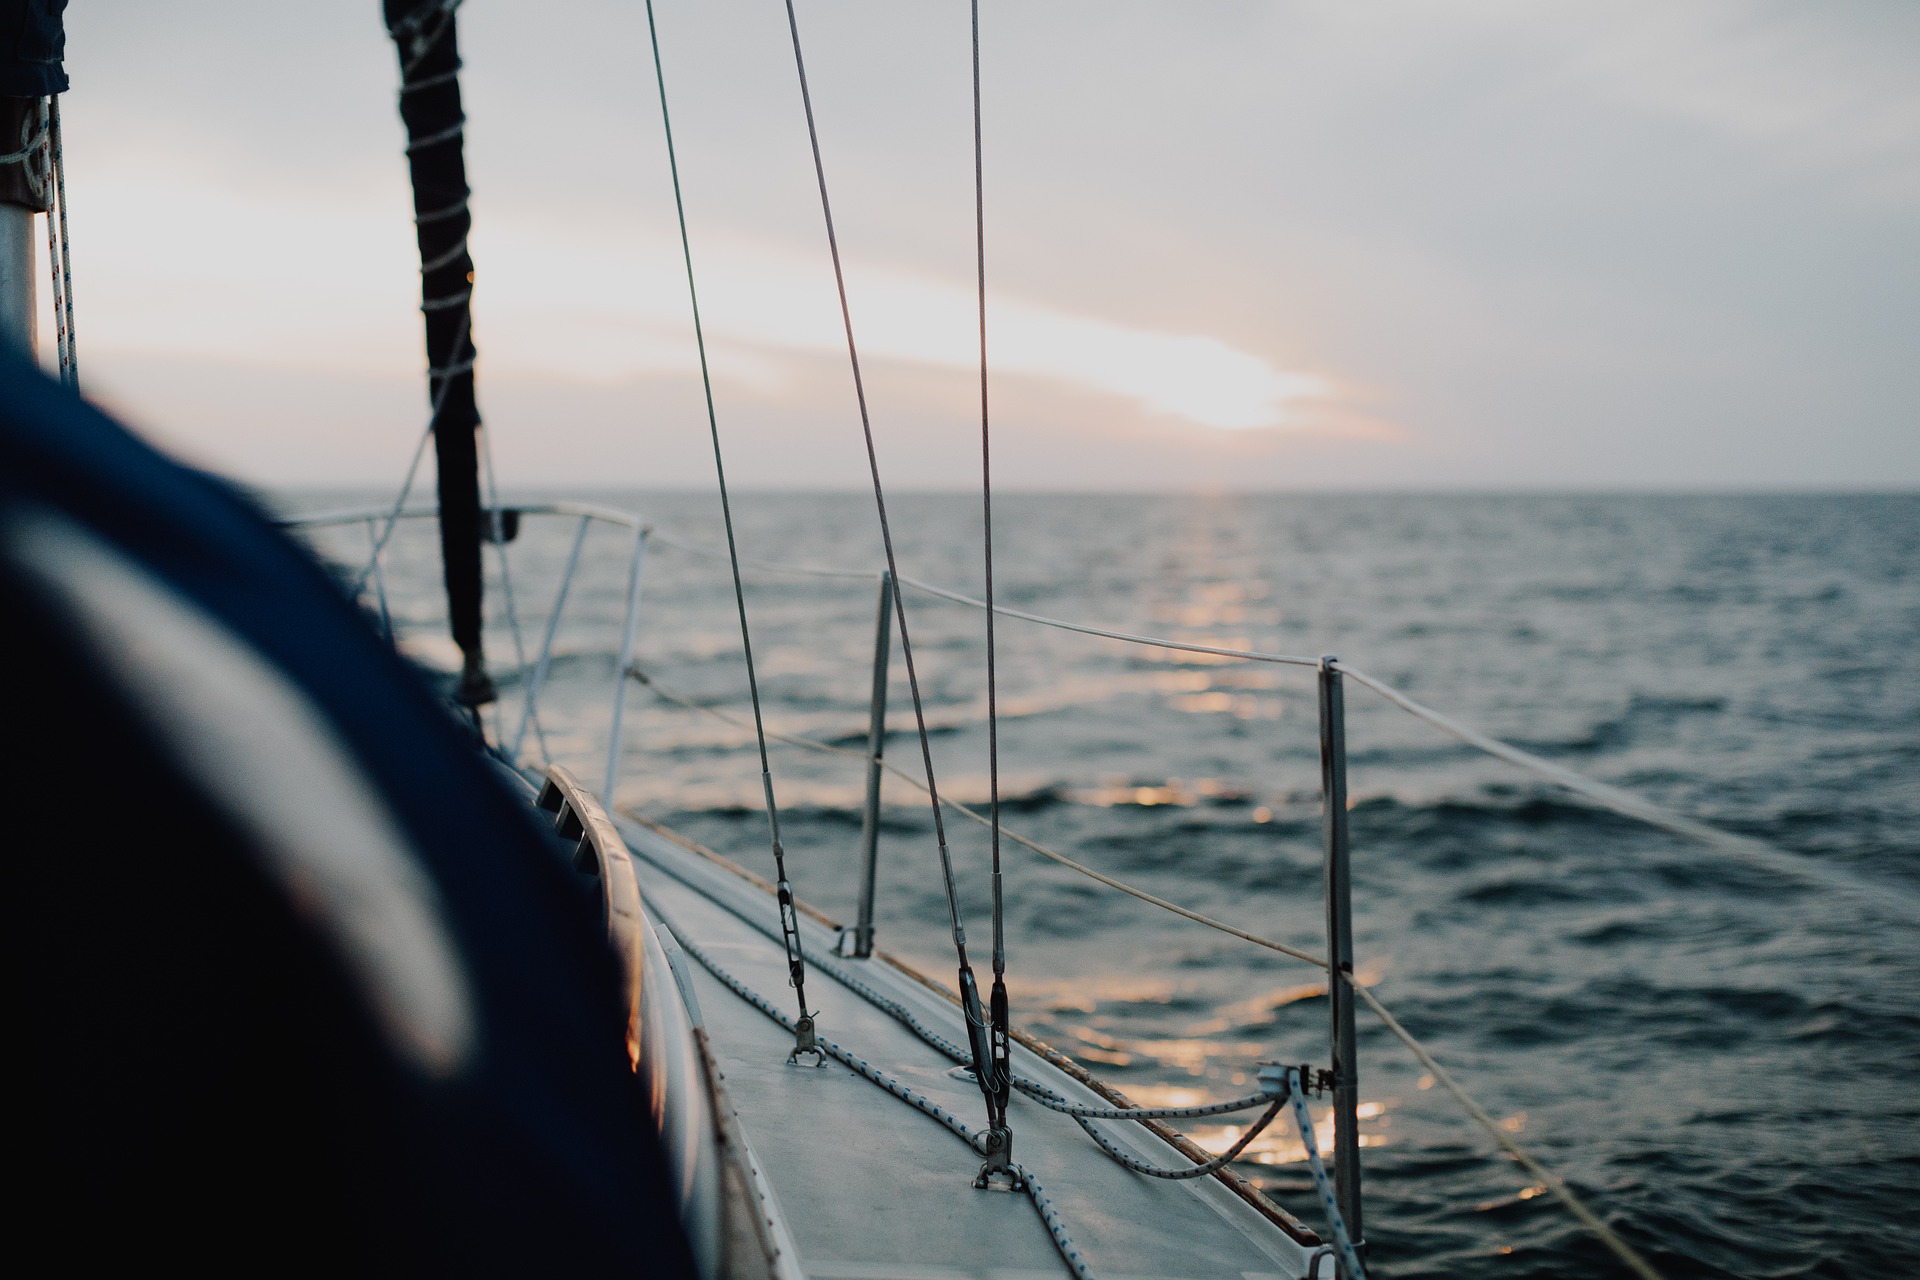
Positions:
{"x": 33, "y": 42}
{"x": 540, "y": 1154}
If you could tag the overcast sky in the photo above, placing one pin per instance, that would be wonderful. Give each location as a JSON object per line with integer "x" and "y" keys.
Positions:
{"x": 1480, "y": 244}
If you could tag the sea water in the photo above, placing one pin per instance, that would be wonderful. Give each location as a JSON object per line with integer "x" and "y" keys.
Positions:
{"x": 1722, "y": 1058}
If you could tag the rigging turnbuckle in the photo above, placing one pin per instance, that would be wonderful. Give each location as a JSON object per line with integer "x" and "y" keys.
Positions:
{"x": 804, "y": 1041}
{"x": 997, "y": 1171}
{"x": 993, "y": 1074}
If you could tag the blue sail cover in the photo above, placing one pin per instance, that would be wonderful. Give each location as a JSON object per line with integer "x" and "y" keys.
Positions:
{"x": 293, "y": 978}
{"x": 32, "y": 44}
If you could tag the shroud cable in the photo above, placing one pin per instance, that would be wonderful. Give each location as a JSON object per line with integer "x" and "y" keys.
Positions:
{"x": 789, "y": 924}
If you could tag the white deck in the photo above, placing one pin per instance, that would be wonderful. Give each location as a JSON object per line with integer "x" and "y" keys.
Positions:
{"x": 874, "y": 1190}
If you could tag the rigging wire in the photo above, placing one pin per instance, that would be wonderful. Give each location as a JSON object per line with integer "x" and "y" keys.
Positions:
{"x": 996, "y": 1085}
{"x": 1475, "y": 1112}
{"x": 974, "y": 815}
{"x": 444, "y": 374}
{"x": 969, "y": 986}
{"x": 496, "y": 525}
{"x": 804, "y": 1041}
{"x": 1757, "y": 852}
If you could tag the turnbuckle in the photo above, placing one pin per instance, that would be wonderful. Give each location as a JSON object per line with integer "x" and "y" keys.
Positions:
{"x": 997, "y": 1173}
{"x": 804, "y": 1041}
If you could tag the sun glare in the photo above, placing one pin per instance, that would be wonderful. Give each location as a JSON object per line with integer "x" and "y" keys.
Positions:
{"x": 280, "y": 281}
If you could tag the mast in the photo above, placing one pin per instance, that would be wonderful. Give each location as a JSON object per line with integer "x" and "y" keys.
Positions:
{"x": 425, "y": 37}
{"x": 32, "y": 44}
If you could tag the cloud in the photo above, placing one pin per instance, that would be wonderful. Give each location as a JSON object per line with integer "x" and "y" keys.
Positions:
{"x": 288, "y": 281}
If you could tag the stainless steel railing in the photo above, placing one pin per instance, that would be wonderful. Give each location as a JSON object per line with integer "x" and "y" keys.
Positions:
{"x": 588, "y": 514}
{"x": 1331, "y": 674}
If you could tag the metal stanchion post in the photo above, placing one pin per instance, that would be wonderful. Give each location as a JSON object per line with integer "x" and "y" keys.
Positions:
{"x": 1346, "y": 1076}
{"x": 876, "y": 746}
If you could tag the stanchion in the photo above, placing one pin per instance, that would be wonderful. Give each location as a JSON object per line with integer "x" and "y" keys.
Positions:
{"x": 876, "y": 746}
{"x": 1346, "y": 1075}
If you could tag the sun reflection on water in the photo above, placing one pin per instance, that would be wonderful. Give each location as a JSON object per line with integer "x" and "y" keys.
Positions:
{"x": 1280, "y": 1143}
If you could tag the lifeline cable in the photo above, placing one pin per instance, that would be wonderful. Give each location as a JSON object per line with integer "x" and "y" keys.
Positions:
{"x": 995, "y": 1085}
{"x": 1747, "y": 848}
{"x": 969, "y": 988}
{"x": 1478, "y": 1114}
{"x": 789, "y": 925}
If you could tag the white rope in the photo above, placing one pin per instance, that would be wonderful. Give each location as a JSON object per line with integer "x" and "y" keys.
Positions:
{"x": 1342, "y": 1241}
{"x": 449, "y": 257}
{"x": 423, "y": 41}
{"x": 34, "y": 144}
{"x": 453, "y": 210}
{"x": 435, "y": 139}
{"x": 414, "y": 86}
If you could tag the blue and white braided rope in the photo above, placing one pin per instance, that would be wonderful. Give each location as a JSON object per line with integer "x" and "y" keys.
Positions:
{"x": 1342, "y": 1242}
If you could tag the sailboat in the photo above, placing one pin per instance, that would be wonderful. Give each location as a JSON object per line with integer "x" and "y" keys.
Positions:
{"x": 779, "y": 1163}
{"x": 532, "y": 1030}
{"x": 375, "y": 999}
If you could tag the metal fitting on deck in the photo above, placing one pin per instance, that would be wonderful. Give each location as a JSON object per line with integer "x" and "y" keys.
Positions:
{"x": 997, "y": 1172}
{"x": 804, "y": 1041}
